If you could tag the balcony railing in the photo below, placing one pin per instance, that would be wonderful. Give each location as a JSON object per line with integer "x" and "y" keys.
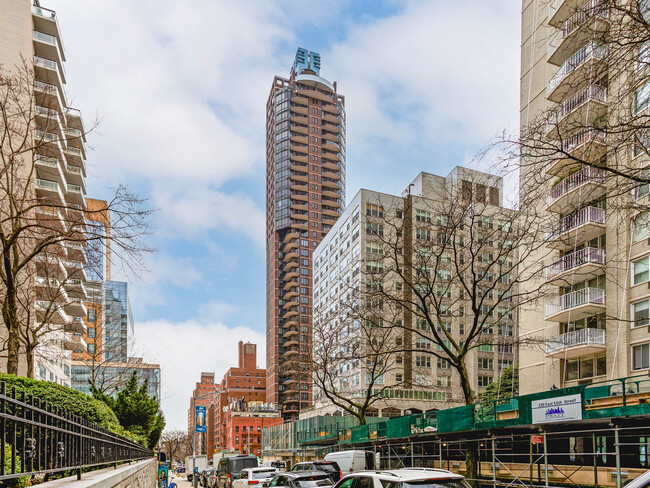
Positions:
{"x": 592, "y": 49}
{"x": 46, "y": 136}
{"x": 47, "y": 184}
{"x": 582, "y": 337}
{"x": 42, "y": 36}
{"x": 46, "y": 62}
{"x": 588, "y": 255}
{"x": 575, "y": 299}
{"x": 583, "y": 216}
{"x": 583, "y": 136}
{"x": 589, "y": 9}
{"x": 44, "y": 12}
{"x": 591, "y": 92}
{"x": 585, "y": 175}
{"x": 46, "y": 87}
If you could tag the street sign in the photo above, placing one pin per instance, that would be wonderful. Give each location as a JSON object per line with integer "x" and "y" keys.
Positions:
{"x": 199, "y": 419}
{"x": 537, "y": 439}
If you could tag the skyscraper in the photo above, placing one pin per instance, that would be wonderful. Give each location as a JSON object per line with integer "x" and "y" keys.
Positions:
{"x": 305, "y": 194}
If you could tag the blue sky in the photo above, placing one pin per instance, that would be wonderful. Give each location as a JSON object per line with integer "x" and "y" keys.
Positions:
{"x": 180, "y": 87}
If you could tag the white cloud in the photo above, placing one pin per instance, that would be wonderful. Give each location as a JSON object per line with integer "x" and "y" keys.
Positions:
{"x": 184, "y": 350}
{"x": 195, "y": 210}
{"x": 435, "y": 73}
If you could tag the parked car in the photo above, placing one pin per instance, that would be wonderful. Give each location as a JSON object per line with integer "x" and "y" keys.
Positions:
{"x": 301, "y": 479}
{"x": 254, "y": 476}
{"x": 230, "y": 467}
{"x": 404, "y": 478}
{"x": 212, "y": 479}
{"x": 203, "y": 479}
{"x": 354, "y": 460}
{"x": 279, "y": 465}
{"x": 329, "y": 467}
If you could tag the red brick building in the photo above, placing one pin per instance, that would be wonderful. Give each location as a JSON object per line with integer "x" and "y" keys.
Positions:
{"x": 204, "y": 394}
{"x": 243, "y": 424}
{"x": 244, "y": 382}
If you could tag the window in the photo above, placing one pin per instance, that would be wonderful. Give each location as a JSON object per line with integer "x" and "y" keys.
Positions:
{"x": 92, "y": 316}
{"x": 483, "y": 381}
{"x": 376, "y": 229}
{"x": 641, "y": 98}
{"x": 422, "y": 234}
{"x": 586, "y": 367}
{"x": 423, "y": 361}
{"x": 91, "y": 332}
{"x": 641, "y": 357}
{"x": 91, "y": 348}
{"x": 443, "y": 364}
{"x": 399, "y": 377}
{"x": 422, "y": 216}
{"x": 486, "y": 348}
{"x": 485, "y": 363}
{"x": 374, "y": 248}
{"x": 640, "y": 272}
{"x": 443, "y": 381}
{"x": 374, "y": 266}
{"x": 374, "y": 210}
{"x": 641, "y": 227}
{"x": 641, "y": 313}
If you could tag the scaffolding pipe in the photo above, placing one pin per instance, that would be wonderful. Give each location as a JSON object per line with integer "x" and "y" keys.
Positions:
{"x": 618, "y": 457}
{"x": 494, "y": 466}
{"x": 546, "y": 463}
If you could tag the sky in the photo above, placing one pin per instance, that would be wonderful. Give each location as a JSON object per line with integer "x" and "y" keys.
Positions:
{"x": 179, "y": 89}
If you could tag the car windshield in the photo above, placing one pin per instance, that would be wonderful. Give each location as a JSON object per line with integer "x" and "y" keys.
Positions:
{"x": 260, "y": 475}
{"x": 328, "y": 468}
{"x": 435, "y": 484}
{"x": 311, "y": 482}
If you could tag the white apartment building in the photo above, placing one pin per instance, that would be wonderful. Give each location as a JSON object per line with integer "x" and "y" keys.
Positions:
{"x": 596, "y": 326}
{"x": 31, "y": 32}
{"x": 344, "y": 262}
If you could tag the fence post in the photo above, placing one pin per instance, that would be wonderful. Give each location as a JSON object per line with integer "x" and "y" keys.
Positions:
{"x": 593, "y": 449}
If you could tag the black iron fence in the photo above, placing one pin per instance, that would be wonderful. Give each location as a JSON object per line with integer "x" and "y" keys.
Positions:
{"x": 38, "y": 438}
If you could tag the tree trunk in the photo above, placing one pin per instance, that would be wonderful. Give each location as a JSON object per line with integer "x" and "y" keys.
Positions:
{"x": 471, "y": 454}
{"x": 30, "y": 361}
{"x": 13, "y": 339}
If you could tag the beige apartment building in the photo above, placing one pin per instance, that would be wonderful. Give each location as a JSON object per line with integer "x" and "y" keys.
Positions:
{"x": 345, "y": 265}
{"x": 578, "y": 89}
{"x": 30, "y": 32}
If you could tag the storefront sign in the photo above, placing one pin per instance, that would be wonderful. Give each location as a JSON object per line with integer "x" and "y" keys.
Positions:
{"x": 559, "y": 409}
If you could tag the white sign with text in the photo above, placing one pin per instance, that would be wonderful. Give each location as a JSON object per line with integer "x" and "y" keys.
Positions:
{"x": 558, "y": 409}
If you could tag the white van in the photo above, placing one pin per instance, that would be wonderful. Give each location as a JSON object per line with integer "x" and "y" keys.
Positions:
{"x": 350, "y": 461}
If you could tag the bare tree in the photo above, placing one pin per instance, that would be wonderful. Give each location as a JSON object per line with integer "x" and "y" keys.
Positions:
{"x": 449, "y": 261}
{"x": 173, "y": 442}
{"x": 352, "y": 341}
{"x": 45, "y": 229}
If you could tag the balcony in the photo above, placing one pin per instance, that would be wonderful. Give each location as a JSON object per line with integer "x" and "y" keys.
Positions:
{"x": 77, "y": 326}
{"x": 577, "y": 227}
{"x": 586, "y": 185}
{"x": 576, "y": 305}
{"x": 581, "y": 265}
{"x": 75, "y": 343}
{"x": 76, "y": 307}
{"x": 75, "y": 287}
{"x": 590, "y": 21}
{"x": 75, "y": 194}
{"x": 586, "y": 145}
{"x": 50, "y": 190}
{"x": 576, "y": 343}
{"x": 588, "y": 63}
{"x": 51, "y": 313}
{"x": 49, "y": 70}
{"x": 580, "y": 110}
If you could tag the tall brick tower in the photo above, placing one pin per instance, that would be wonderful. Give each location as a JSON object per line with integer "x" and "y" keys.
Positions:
{"x": 305, "y": 194}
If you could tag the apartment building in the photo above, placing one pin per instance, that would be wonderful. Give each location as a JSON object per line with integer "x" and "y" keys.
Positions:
{"x": 377, "y": 232}
{"x": 305, "y": 188}
{"x": 243, "y": 423}
{"x": 242, "y": 385}
{"x": 29, "y": 31}
{"x": 584, "y": 75}
{"x": 204, "y": 394}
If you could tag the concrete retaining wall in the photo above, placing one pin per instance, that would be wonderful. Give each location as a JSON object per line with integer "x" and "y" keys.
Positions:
{"x": 141, "y": 474}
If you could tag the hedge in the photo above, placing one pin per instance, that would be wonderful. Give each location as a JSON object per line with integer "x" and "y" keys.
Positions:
{"x": 72, "y": 401}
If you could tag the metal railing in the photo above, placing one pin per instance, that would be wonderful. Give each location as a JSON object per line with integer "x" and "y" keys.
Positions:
{"x": 583, "y": 136}
{"x": 575, "y": 299}
{"x": 37, "y": 438}
{"x": 582, "y": 216}
{"x": 591, "y": 92}
{"x": 579, "y": 178}
{"x": 582, "y": 337}
{"x": 592, "y": 49}
{"x": 589, "y": 9}
{"x": 588, "y": 255}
